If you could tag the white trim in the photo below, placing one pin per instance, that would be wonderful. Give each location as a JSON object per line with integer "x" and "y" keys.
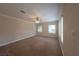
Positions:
{"x": 60, "y": 38}
{"x": 61, "y": 45}
{"x": 31, "y": 35}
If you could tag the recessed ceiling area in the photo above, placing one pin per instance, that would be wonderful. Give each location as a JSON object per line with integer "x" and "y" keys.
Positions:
{"x": 27, "y": 11}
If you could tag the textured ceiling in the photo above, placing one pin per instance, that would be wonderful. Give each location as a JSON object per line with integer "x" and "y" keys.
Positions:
{"x": 46, "y": 11}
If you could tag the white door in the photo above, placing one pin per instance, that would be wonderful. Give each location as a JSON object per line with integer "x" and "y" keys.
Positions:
{"x": 71, "y": 29}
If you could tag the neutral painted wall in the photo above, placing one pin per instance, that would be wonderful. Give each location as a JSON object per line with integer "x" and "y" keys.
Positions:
{"x": 13, "y": 29}
{"x": 45, "y": 29}
{"x": 71, "y": 29}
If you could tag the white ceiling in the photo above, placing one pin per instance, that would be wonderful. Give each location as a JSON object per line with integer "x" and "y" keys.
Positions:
{"x": 46, "y": 11}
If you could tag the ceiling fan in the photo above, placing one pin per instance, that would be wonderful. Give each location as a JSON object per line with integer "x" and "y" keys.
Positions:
{"x": 36, "y": 19}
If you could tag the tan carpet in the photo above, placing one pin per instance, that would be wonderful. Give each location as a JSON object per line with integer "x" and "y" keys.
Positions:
{"x": 34, "y": 46}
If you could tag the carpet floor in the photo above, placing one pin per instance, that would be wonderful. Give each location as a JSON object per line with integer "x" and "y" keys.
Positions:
{"x": 34, "y": 46}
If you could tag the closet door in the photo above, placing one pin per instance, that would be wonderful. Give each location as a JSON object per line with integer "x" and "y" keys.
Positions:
{"x": 71, "y": 29}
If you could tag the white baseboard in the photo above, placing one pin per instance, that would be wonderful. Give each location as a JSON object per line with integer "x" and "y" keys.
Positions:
{"x": 61, "y": 45}
{"x": 3, "y": 44}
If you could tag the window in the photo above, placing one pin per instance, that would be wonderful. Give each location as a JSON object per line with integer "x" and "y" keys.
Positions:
{"x": 51, "y": 29}
{"x": 39, "y": 28}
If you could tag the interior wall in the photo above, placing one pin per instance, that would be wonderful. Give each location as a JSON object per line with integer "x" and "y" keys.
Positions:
{"x": 45, "y": 29}
{"x": 14, "y": 29}
{"x": 71, "y": 29}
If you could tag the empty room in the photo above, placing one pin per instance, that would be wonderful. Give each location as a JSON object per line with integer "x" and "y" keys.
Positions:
{"x": 39, "y": 29}
{"x": 30, "y": 29}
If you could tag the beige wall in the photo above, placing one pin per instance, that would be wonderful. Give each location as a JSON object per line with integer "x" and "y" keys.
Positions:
{"x": 13, "y": 29}
{"x": 45, "y": 29}
{"x": 71, "y": 29}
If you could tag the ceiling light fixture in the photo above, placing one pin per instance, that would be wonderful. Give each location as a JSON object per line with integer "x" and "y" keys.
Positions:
{"x": 37, "y": 20}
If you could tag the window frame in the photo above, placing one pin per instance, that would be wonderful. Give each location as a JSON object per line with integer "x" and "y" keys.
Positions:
{"x": 49, "y": 30}
{"x": 38, "y": 28}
